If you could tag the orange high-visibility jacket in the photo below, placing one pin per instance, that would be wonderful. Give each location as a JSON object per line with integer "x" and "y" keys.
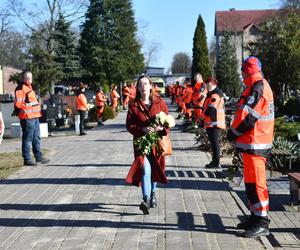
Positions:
{"x": 81, "y": 102}
{"x": 114, "y": 98}
{"x": 254, "y": 120}
{"x": 100, "y": 99}
{"x": 214, "y": 110}
{"x": 132, "y": 91}
{"x": 126, "y": 91}
{"x": 187, "y": 94}
{"x": 199, "y": 95}
{"x": 26, "y": 103}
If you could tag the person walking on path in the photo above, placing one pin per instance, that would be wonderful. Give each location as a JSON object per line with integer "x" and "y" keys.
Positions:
{"x": 214, "y": 120}
{"x": 114, "y": 97}
{"x": 100, "y": 103}
{"x": 252, "y": 132}
{"x": 146, "y": 170}
{"x": 82, "y": 106}
{"x": 28, "y": 109}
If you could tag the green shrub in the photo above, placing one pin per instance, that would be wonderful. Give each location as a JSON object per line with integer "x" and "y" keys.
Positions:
{"x": 92, "y": 114}
{"x": 284, "y": 144}
{"x": 108, "y": 113}
{"x": 288, "y": 130}
{"x": 105, "y": 88}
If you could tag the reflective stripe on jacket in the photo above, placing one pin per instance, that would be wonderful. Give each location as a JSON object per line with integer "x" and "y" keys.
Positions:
{"x": 214, "y": 110}
{"x": 26, "y": 103}
{"x": 254, "y": 120}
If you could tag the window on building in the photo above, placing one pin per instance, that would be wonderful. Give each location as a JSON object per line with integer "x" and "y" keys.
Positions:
{"x": 254, "y": 31}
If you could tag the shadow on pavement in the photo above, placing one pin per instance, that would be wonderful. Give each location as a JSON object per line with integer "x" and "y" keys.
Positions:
{"x": 180, "y": 184}
{"x": 90, "y": 165}
{"x": 277, "y": 201}
{"x": 80, "y": 207}
{"x": 185, "y": 222}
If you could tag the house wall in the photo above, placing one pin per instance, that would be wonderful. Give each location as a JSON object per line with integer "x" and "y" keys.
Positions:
{"x": 9, "y": 87}
{"x": 1, "y": 80}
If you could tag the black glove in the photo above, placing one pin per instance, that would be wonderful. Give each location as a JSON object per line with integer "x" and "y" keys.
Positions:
{"x": 230, "y": 135}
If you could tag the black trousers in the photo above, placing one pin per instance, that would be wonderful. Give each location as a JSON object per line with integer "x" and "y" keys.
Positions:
{"x": 82, "y": 117}
{"x": 214, "y": 137}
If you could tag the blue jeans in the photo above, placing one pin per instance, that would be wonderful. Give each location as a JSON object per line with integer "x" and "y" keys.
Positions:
{"x": 31, "y": 136}
{"x": 148, "y": 186}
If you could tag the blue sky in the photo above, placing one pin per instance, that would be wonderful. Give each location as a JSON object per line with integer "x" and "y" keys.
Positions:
{"x": 172, "y": 22}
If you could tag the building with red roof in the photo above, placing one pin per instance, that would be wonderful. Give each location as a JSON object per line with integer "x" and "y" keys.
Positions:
{"x": 243, "y": 26}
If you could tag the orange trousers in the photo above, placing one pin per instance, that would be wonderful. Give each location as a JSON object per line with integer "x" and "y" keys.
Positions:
{"x": 125, "y": 101}
{"x": 256, "y": 184}
{"x": 114, "y": 103}
{"x": 197, "y": 114}
{"x": 100, "y": 110}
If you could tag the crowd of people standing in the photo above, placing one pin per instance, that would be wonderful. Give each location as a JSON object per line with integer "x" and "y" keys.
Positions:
{"x": 251, "y": 130}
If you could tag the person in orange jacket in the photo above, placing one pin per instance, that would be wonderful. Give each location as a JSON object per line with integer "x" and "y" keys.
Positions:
{"x": 214, "y": 119}
{"x": 28, "y": 109}
{"x": 114, "y": 97}
{"x": 100, "y": 103}
{"x": 173, "y": 92}
{"x": 125, "y": 96}
{"x": 252, "y": 132}
{"x": 187, "y": 98}
{"x": 199, "y": 95}
{"x": 132, "y": 91}
{"x": 82, "y": 106}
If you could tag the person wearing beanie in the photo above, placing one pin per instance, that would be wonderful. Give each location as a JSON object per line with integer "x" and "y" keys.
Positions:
{"x": 252, "y": 132}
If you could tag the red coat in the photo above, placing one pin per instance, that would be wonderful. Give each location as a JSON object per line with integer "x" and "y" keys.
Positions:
{"x": 137, "y": 119}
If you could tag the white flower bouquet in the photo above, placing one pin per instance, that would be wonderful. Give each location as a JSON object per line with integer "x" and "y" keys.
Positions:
{"x": 146, "y": 142}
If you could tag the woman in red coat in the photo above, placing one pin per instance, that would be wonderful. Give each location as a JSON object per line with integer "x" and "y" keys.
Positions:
{"x": 146, "y": 170}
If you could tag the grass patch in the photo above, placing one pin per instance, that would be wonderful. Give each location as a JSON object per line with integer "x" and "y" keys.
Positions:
{"x": 288, "y": 130}
{"x": 10, "y": 163}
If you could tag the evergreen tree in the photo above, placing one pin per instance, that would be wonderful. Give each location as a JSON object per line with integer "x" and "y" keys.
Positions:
{"x": 278, "y": 48}
{"x": 65, "y": 53}
{"x": 41, "y": 64}
{"x": 227, "y": 68}
{"x": 109, "y": 49}
{"x": 200, "y": 51}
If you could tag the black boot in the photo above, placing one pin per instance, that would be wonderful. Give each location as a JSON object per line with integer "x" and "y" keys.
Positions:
{"x": 260, "y": 228}
{"x": 145, "y": 205}
{"x": 153, "y": 200}
{"x": 213, "y": 165}
{"x": 29, "y": 163}
{"x": 247, "y": 223}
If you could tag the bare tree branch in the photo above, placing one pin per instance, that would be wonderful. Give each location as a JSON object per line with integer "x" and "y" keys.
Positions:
{"x": 151, "y": 52}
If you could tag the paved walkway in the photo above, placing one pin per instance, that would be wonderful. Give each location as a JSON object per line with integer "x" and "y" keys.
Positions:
{"x": 80, "y": 200}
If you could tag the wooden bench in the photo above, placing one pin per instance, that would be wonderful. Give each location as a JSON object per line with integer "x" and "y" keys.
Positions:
{"x": 295, "y": 189}
{"x": 281, "y": 153}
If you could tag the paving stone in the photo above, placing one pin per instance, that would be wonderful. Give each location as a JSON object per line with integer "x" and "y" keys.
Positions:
{"x": 80, "y": 199}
